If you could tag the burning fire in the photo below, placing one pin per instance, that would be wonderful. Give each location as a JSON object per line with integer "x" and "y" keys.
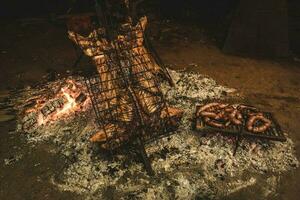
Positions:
{"x": 69, "y": 106}
{"x": 67, "y": 101}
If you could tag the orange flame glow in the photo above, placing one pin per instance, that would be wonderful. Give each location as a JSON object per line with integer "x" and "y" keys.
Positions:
{"x": 69, "y": 94}
{"x": 69, "y": 105}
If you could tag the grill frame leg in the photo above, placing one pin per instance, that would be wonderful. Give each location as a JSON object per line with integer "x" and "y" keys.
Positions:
{"x": 145, "y": 157}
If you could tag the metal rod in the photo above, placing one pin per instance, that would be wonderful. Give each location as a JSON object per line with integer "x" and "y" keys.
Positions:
{"x": 78, "y": 60}
{"x": 237, "y": 143}
{"x": 145, "y": 158}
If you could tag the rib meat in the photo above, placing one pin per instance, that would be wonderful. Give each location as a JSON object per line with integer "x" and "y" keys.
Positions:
{"x": 128, "y": 93}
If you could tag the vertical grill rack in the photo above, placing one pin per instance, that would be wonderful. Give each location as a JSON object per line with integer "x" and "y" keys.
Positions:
{"x": 125, "y": 93}
{"x": 132, "y": 74}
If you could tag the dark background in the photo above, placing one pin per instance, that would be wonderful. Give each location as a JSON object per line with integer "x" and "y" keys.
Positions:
{"x": 214, "y": 14}
{"x": 31, "y": 50}
{"x": 201, "y": 9}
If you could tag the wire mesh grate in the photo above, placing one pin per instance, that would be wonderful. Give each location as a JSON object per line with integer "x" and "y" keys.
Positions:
{"x": 125, "y": 93}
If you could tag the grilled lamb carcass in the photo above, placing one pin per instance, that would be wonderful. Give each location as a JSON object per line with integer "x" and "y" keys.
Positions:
{"x": 114, "y": 100}
{"x": 135, "y": 37}
{"x": 125, "y": 60}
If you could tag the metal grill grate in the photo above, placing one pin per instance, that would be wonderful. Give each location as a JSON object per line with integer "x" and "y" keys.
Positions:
{"x": 125, "y": 93}
{"x": 126, "y": 96}
{"x": 273, "y": 133}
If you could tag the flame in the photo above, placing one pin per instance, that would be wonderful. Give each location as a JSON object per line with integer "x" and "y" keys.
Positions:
{"x": 69, "y": 94}
{"x": 69, "y": 105}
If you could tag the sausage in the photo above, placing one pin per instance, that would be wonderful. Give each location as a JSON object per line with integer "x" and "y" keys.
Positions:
{"x": 213, "y": 123}
{"x": 209, "y": 114}
{"x": 230, "y": 109}
{"x": 220, "y": 115}
{"x": 218, "y": 111}
{"x": 235, "y": 117}
{"x": 241, "y": 107}
{"x": 250, "y": 122}
{"x": 236, "y": 121}
{"x": 223, "y": 105}
{"x": 205, "y": 107}
{"x": 233, "y": 114}
{"x": 261, "y": 128}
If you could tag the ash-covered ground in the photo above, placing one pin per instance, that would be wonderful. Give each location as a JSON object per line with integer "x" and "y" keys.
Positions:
{"x": 188, "y": 165}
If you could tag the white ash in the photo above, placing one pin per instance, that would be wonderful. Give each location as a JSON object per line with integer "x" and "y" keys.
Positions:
{"x": 13, "y": 159}
{"x": 187, "y": 166}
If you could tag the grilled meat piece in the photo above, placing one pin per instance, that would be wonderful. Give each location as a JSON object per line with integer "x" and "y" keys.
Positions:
{"x": 266, "y": 123}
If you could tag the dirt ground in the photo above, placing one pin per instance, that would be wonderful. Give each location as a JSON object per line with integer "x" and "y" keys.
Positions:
{"x": 27, "y": 52}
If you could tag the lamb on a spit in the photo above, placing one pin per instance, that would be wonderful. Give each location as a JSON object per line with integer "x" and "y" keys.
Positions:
{"x": 128, "y": 82}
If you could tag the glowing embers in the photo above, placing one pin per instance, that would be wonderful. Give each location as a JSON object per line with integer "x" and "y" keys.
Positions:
{"x": 69, "y": 99}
